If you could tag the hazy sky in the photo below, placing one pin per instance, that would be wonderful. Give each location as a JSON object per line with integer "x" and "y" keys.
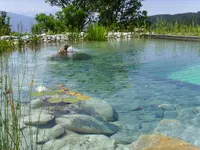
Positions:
{"x": 171, "y": 6}
{"x": 32, "y": 7}
{"x": 27, "y": 7}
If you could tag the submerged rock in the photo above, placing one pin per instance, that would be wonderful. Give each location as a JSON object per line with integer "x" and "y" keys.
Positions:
{"x": 176, "y": 129}
{"x": 38, "y": 119}
{"x": 98, "y": 108}
{"x": 81, "y": 142}
{"x": 190, "y": 116}
{"x": 161, "y": 142}
{"x": 36, "y": 103}
{"x": 125, "y": 136}
{"x": 167, "y": 106}
{"x": 86, "y": 124}
{"x": 43, "y": 134}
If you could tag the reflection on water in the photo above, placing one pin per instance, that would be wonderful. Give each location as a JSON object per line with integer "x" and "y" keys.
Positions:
{"x": 128, "y": 74}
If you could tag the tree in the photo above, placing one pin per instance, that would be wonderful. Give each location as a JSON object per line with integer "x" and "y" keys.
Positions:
{"x": 72, "y": 18}
{"x": 4, "y": 24}
{"x": 118, "y": 12}
{"x": 121, "y": 12}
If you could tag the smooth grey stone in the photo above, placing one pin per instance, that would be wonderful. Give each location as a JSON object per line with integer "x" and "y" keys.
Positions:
{"x": 38, "y": 119}
{"x": 177, "y": 129}
{"x": 167, "y": 106}
{"x": 86, "y": 124}
{"x": 36, "y": 103}
{"x": 99, "y": 108}
{"x": 170, "y": 115}
{"x": 125, "y": 136}
{"x": 81, "y": 142}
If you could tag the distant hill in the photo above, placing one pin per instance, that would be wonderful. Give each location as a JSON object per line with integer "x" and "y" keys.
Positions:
{"x": 20, "y": 22}
{"x": 184, "y": 18}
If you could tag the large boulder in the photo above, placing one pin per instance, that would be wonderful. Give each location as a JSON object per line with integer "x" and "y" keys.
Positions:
{"x": 43, "y": 135}
{"x": 98, "y": 108}
{"x": 36, "y": 103}
{"x": 176, "y": 129}
{"x": 160, "y": 142}
{"x": 81, "y": 142}
{"x": 38, "y": 119}
{"x": 86, "y": 124}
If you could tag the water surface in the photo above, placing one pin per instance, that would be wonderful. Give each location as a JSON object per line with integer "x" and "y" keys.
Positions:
{"x": 131, "y": 74}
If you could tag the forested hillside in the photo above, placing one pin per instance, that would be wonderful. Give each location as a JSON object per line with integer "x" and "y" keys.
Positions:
{"x": 185, "y": 18}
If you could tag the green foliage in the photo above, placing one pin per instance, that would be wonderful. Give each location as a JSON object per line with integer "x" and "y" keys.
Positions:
{"x": 6, "y": 46}
{"x": 72, "y": 18}
{"x": 4, "y": 24}
{"x": 95, "y": 32}
{"x": 74, "y": 36}
{"x": 15, "y": 34}
{"x": 163, "y": 27}
{"x": 45, "y": 23}
{"x": 50, "y": 93}
{"x": 184, "y": 19}
{"x": 120, "y": 13}
{"x": 65, "y": 100}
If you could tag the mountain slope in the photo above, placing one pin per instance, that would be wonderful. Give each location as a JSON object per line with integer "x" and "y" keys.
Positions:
{"x": 184, "y": 18}
{"x": 21, "y": 23}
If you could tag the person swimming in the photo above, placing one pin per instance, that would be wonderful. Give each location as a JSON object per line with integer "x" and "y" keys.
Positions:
{"x": 69, "y": 53}
{"x": 64, "y": 50}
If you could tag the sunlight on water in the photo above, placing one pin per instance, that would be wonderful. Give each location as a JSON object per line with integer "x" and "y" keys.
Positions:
{"x": 189, "y": 74}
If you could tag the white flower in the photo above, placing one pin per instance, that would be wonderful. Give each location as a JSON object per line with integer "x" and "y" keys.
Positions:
{"x": 41, "y": 88}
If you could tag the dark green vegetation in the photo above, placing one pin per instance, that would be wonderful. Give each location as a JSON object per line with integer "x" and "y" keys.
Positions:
{"x": 96, "y": 32}
{"x": 164, "y": 27}
{"x": 4, "y": 24}
{"x": 76, "y": 15}
{"x": 183, "y": 19}
{"x": 187, "y": 24}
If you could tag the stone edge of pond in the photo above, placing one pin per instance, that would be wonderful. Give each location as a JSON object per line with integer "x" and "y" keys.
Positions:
{"x": 171, "y": 37}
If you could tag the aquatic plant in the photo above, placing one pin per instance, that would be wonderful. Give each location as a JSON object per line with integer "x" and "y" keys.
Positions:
{"x": 95, "y": 32}
{"x": 47, "y": 93}
{"x": 65, "y": 100}
{"x": 41, "y": 88}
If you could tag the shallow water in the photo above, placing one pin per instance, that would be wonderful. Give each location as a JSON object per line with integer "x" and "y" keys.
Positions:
{"x": 131, "y": 74}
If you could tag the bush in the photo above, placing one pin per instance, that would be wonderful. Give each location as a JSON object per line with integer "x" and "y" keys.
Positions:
{"x": 95, "y": 32}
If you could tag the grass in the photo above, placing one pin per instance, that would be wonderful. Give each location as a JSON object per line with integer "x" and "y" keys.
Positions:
{"x": 6, "y": 46}
{"x": 11, "y": 135}
{"x": 162, "y": 27}
{"x": 96, "y": 32}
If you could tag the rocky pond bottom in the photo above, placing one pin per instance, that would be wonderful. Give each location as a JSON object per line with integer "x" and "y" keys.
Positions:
{"x": 66, "y": 120}
{"x": 143, "y": 93}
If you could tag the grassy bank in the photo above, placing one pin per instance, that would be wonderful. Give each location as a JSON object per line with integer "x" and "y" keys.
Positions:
{"x": 12, "y": 80}
{"x": 163, "y": 27}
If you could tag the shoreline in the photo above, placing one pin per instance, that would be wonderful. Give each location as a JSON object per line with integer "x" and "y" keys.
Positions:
{"x": 171, "y": 37}
{"x": 45, "y": 38}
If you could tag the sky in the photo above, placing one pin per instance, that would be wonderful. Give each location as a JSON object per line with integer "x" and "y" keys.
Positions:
{"x": 32, "y": 7}
{"x": 154, "y": 7}
{"x": 27, "y": 7}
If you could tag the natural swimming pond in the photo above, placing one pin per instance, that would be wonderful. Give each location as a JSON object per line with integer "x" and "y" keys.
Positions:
{"x": 145, "y": 81}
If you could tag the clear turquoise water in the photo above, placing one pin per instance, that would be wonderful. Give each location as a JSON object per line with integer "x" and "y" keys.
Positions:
{"x": 127, "y": 74}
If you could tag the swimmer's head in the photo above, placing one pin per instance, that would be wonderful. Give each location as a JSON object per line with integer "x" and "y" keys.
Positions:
{"x": 66, "y": 47}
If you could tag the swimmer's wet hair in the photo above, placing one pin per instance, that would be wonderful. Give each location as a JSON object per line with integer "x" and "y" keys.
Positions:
{"x": 66, "y": 47}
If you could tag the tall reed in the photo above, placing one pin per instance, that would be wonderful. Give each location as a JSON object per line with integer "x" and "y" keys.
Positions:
{"x": 95, "y": 32}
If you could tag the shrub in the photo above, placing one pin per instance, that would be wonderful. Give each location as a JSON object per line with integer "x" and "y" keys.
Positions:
{"x": 95, "y": 32}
